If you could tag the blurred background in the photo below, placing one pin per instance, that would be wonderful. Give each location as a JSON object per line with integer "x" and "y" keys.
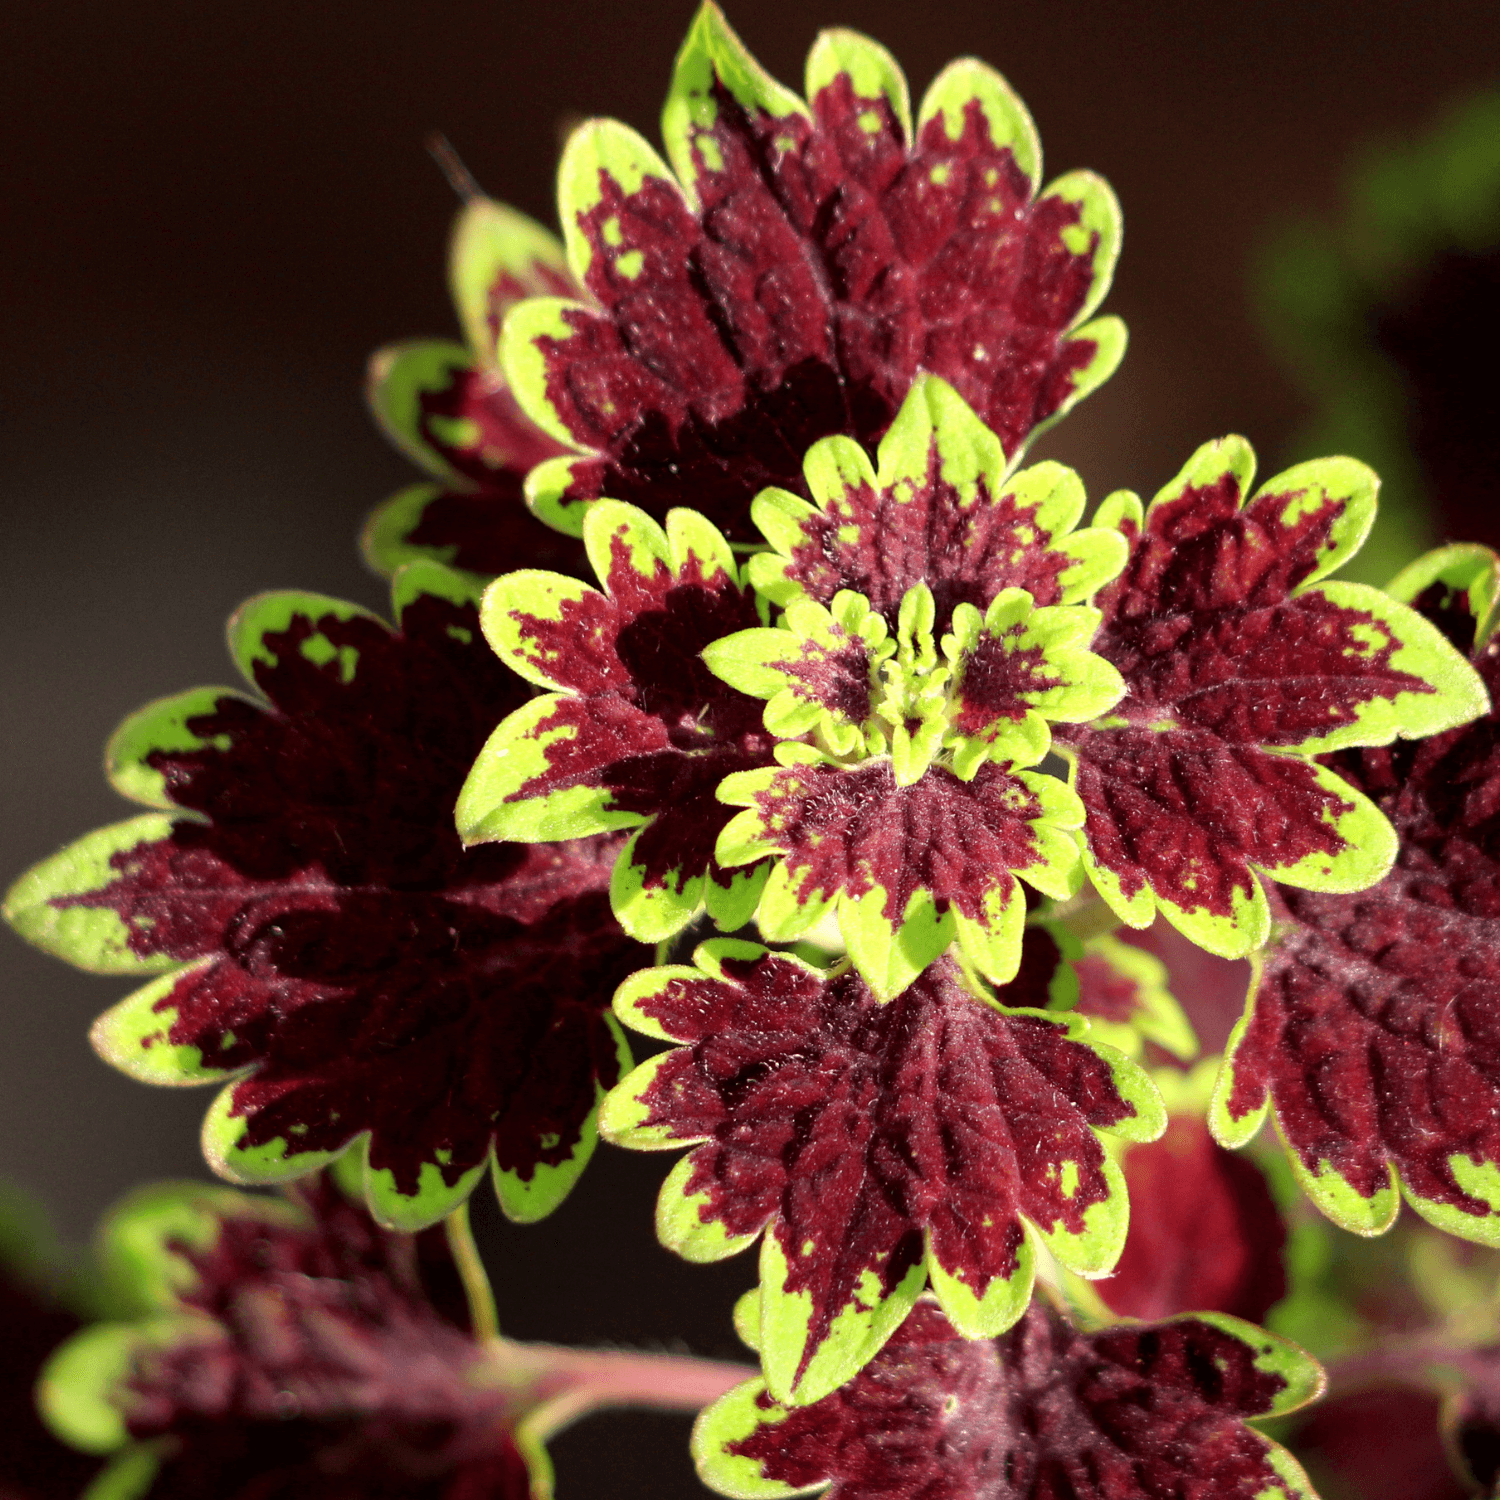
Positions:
{"x": 215, "y": 213}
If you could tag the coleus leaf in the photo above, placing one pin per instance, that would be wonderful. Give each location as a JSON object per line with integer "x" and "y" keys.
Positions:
{"x": 1205, "y": 1231}
{"x": 1042, "y": 1411}
{"x": 1243, "y": 666}
{"x": 447, "y": 407}
{"x": 989, "y": 694}
{"x": 936, "y": 509}
{"x": 636, "y": 732}
{"x": 324, "y": 943}
{"x": 1124, "y": 992}
{"x": 800, "y": 267}
{"x": 908, "y": 868}
{"x": 936, "y": 1137}
{"x": 925, "y": 683}
{"x": 1370, "y": 1032}
{"x": 288, "y": 1348}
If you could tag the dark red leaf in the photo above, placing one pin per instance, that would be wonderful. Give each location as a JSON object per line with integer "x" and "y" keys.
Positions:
{"x": 330, "y": 1375}
{"x": 854, "y": 1128}
{"x": 1373, "y": 1031}
{"x": 1241, "y": 666}
{"x": 448, "y": 408}
{"x": 640, "y": 721}
{"x": 1205, "y": 1233}
{"x": 1143, "y": 1413}
{"x": 908, "y": 866}
{"x": 371, "y": 973}
{"x": 822, "y": 261}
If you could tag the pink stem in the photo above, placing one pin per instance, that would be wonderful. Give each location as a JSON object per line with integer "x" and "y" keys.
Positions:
{"x": 568, "y": 1383}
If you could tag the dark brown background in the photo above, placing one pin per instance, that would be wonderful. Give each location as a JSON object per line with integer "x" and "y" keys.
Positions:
{"x": 213, "y": 212}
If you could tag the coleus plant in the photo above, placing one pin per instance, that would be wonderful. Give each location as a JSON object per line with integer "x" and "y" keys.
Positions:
{"x": 293, "y": 1347}
{"x": 922, "y": 740}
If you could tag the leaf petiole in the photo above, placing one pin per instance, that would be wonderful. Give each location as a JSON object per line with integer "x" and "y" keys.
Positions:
{"x": 483, "y": 1318}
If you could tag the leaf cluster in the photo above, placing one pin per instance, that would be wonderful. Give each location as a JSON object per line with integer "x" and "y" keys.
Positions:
{"x": 746, "y": 689}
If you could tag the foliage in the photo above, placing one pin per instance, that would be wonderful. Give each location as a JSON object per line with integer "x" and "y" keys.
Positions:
{"x": 927, "y": 746}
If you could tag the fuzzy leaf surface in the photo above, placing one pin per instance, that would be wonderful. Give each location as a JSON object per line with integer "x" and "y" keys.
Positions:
{"x": 1241, "y": 667}
{"x": 937, "y": 509}
{"x": 907, "y": 868}
{"x": 796, "y": 265}
{"x": 291, "y": 1350}
{"x": 1151, "y": 1412}
{"x": 331, "y": 947}
{"x": 877, "y": 1143}
{"x": 637, "y": 732}
{"x": 1372, "y": 1031}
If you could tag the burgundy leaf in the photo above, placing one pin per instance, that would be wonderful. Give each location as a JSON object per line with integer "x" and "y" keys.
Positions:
{"x": 1205, "y": 1233}
{"x": 474, "y": 428}
{"x": 449, "y": 409}
{"x": 867, "y": 1134}
{"x": 322, "y": 1370}
{"x": 1154, "y": 1412}
{"x": 908, "y": 865}
{"x": 1240, "y": 667}
{"x": 856, "y": 830}
{"x": 1373, "y": 1032}
{"x": 370, "y": 973}
{"x": 641, "y": 732}
{"x": 942, "y": 509}
{"x": 486, "y": 531}
{"x": 817, "y": 261}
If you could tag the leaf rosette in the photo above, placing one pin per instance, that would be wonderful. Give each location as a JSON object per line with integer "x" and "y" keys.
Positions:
{"x": 1370, "y": 1031}
{"x": 448, "y": 408}
{"x": 635, "y": 732}
{"x": 792, "y": 270}
{"x": 1128, "y": 1413}
{"x": 1245, "y": 665}
{"x": 315, "y": 936}
{"x": 879, "y": 1146}
{"x": 913, "y": 675}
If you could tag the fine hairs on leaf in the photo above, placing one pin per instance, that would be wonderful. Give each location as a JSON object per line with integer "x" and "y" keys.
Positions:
{"x": 744, "y": 688}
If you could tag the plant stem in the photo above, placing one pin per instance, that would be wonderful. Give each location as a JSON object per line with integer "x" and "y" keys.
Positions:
{"x": 568, "y": 1383}
{"x": 483, "y": 1319}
